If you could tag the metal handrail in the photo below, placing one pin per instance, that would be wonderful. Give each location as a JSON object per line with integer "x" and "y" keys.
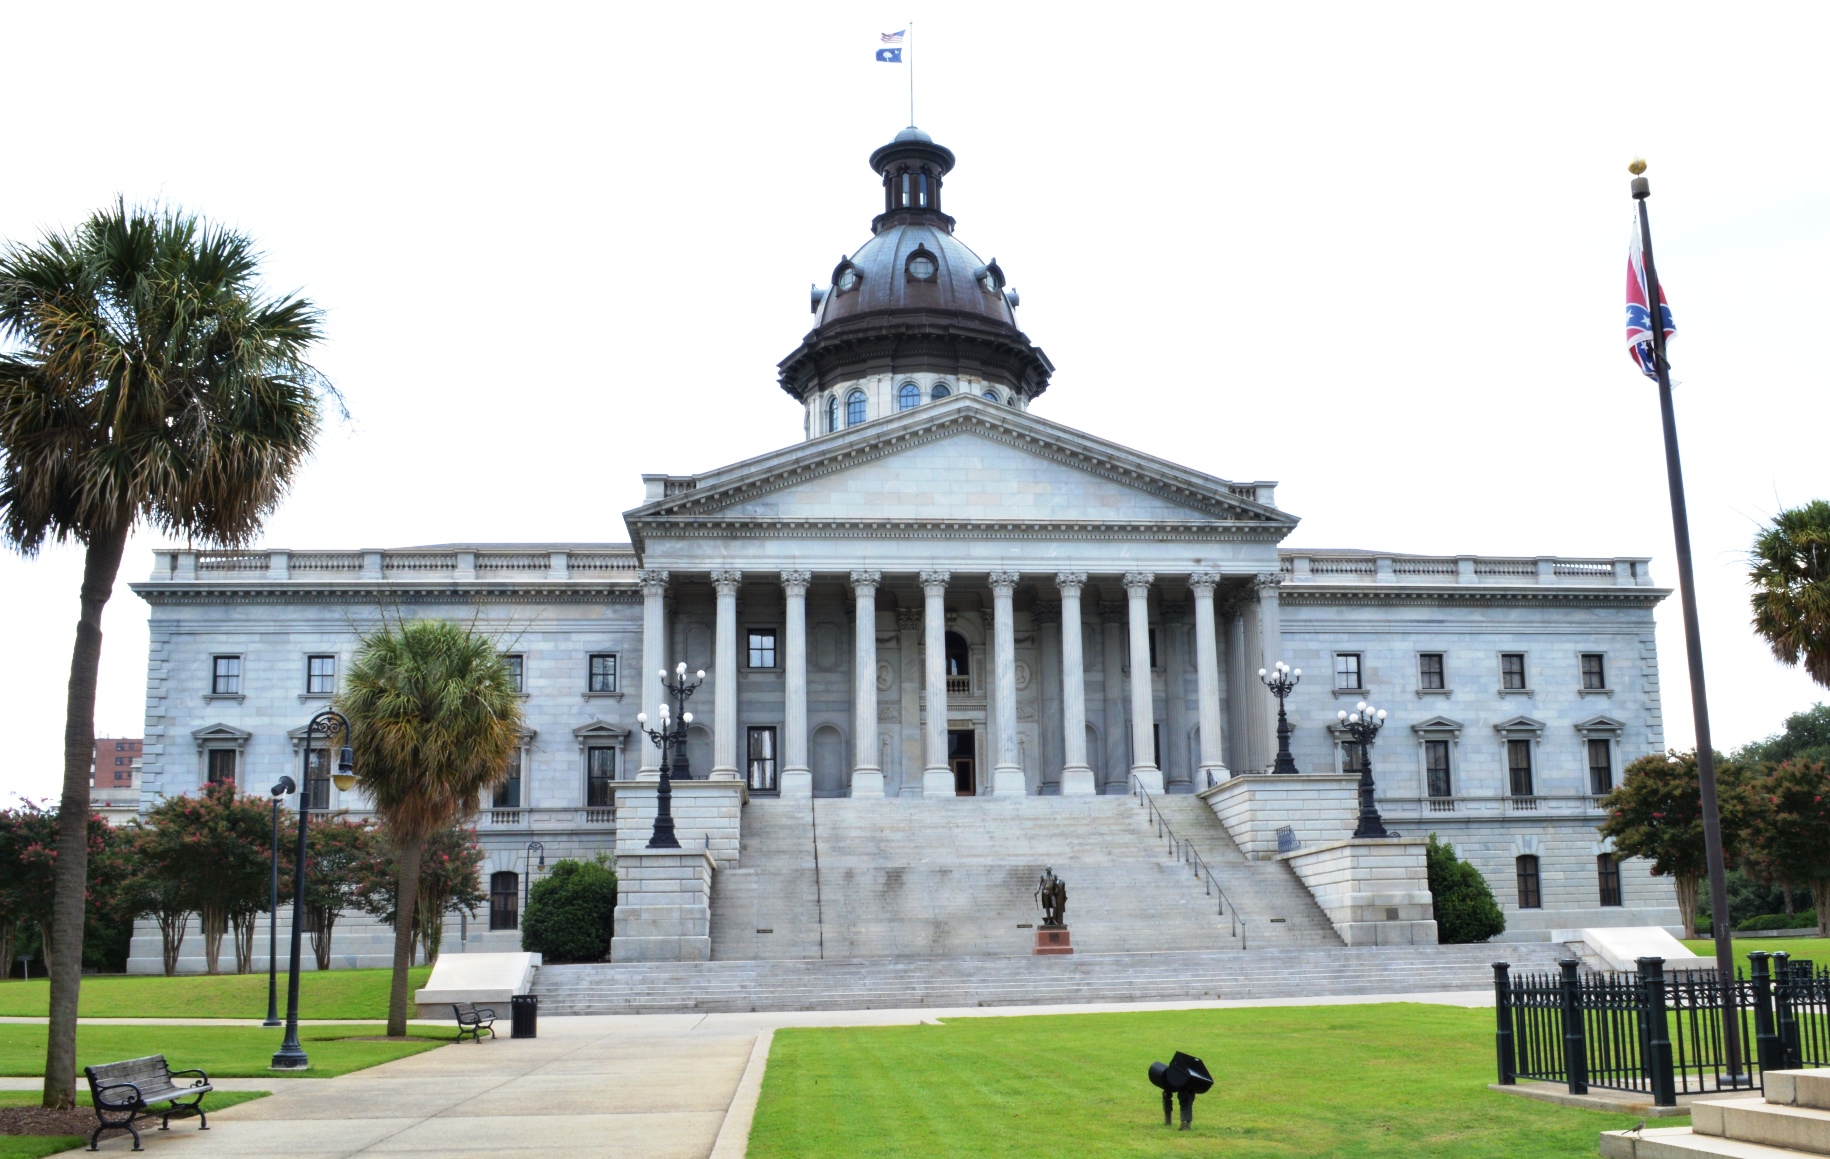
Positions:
{"x": 1185, "y": 852}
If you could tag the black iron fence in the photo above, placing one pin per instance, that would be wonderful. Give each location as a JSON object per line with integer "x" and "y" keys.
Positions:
{"x": 1657, "y": 1033}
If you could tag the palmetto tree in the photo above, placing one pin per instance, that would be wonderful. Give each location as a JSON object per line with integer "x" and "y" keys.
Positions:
{"x": 1791, "y": 578}
{"x": 145, "y": 376}
{"x": 435, "y": 718}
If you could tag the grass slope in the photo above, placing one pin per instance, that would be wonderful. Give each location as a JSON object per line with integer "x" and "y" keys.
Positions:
{"x": 220, "y": 1051}
{"x": 33, "y": 1146}
{"x": 1813, "y": 949}
{"x": 1387, "y": 1080}
{"x": 326, "y": 994}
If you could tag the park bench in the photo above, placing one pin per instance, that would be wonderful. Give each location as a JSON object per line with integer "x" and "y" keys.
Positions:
{"x": 474, "y": 1020}
{"x": 125, "y": 1091}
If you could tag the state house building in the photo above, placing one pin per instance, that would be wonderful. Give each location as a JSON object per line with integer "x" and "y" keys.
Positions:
{"x": 941, "y": 593}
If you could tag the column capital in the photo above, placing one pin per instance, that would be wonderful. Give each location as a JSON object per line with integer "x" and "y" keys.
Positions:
{"x": 1070, "y": 582}
{"x": 1005, "y": 580}
{"x": 1138, "y": 582}
{"x": 795, "y": 582}
{"x": 863, "y": 580}
{"x": 934, "y": 583}
{"x": 1045, "y": 612}
{"x": 1203, "y": 583}
{"x": 653, "y": 580}
{"x": 727, "y": 582}
{"x": 909, "y": 619}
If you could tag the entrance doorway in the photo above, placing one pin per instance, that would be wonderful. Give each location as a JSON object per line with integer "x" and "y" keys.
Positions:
{"x": 961, "y": 745}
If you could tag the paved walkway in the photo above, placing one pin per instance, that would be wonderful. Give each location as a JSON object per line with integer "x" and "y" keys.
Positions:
{"x": 647, "y": 1086}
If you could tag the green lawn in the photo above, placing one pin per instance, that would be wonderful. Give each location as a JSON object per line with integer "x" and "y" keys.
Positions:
{"x": 1387, "y": 1080}
{"x": 322, "y": 994}
{"x": 220, "y": 1051}
{"x": 1813, "y": 949}
{"x": 33, "y": 1146}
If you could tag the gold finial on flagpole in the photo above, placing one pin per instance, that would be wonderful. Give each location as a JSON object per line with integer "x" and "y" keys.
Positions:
{"x": 1636, "y": 166}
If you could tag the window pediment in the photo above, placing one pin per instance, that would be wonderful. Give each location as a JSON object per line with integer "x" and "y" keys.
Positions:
{"x": 1601, "y": 726}
{"x": 222, "y": 735}
{"x": 598, "y": 731}
{"x": 1520, "y": 726}
{"x": 1438, "y": 727}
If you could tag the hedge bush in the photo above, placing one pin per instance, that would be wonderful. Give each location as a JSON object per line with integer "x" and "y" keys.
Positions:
{"x": 569, "y": 914}
{"x": 1465, "y": 909}
{"x": 1800, "y": 921}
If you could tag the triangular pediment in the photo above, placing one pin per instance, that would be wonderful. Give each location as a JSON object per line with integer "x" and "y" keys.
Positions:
{"x": 1520, "y": 725}
{"x": 1438, "y": 724}
{"x": 1601, "y": 724}
{"x": 965, "y": 460}
{"x": 220, "y": 734}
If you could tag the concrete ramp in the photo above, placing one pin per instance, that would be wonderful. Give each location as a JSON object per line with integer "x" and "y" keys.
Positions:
{"x": 1621, "y": 947}
{"x": 486, "y": 979}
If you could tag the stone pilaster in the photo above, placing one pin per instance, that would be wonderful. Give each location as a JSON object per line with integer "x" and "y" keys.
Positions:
{"x": 1143, "y": 714}
{"x": 724, "y": 678}
{"x": 1076, "y": 774}
{"x": 936, "y": 773}
{"x": 797, "y": 777}
{"x": 867, "y": 772}
{"x": 1007, "y": 772}
{"x": 1212, "y": 759}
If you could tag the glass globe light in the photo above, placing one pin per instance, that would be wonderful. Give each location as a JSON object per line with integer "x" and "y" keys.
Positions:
{"x": 1360, "y": 707}
{"x": 687, "y": 717}
{"x": 680, "y": 668}
{"x": 663, "y": 673}
{"x": 1381, "y": 714}
{"x": 699, "y": 675}
{"x": 641, "y": 718}
{"x": 1341, "y": 715}
{"x": 1296, "y": 672}
{"x": 1261, "y": 672}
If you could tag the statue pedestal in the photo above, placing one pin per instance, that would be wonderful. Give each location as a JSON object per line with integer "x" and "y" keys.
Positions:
{"x": 1053, "y": 940}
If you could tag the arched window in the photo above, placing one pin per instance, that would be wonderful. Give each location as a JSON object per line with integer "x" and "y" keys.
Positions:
{"x": 908, "y": 396}
{"x": 1529, "y": 895}
{"x": 959, "y": 656}
{"x": 992, "y": 395}
{"x": 939, "y": 392}
{"x": 504, "y": 900}
{"x": 832, "y": 414}
{"x": 854, "y": 408}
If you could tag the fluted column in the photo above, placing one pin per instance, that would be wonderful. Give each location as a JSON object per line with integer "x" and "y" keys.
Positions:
{"x": 797, "y": 778}
{"x": 936, "y": 774}
{"x": 1143, "y": 712}
{"x": 1046, "y": 616}
{"x": 724, "y": 678}
{"x": 1076, "y": 774}
{"x": 866, "y": 771}
{"x": 1250, "y": 692}
{"x": 1270, "y": 651}
{"x": 654, "y": 658}
{"x": 1207, "y": 680}
{"x": 1006, "y": 771}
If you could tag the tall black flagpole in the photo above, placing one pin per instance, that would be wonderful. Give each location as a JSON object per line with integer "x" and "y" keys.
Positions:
{"x": 1693, "y": 648}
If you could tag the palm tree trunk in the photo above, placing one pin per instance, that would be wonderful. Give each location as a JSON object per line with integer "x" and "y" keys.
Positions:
{"x": 101, "y": 563}
{"x": 406, "y": 890}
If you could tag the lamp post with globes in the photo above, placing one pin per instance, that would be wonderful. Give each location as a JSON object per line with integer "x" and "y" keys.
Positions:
{"x": 1363, "y": 724}
{"x": 670, "y": 738}
{"x": 1282, "y": 680}
{"x": 291, "y": 1056}
{"x": 280, "y": 790}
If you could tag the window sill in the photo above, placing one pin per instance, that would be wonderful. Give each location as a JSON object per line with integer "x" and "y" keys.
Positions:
{"x": 1518, "y": 692}
{"x": 1594, "y": 692}
{"x": 305, "y": 696}
{"x": 237, "y": 697}
{"x": 1359, "y": 692}
{"x": 601, "y": 695}
{"x": 1435, "y": 692}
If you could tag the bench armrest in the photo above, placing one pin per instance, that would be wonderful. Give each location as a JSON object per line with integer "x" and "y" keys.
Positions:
{"x": 100, "y": 1095}
{"x": 486, "y": 1012}
{"x": 203, "y": 1080}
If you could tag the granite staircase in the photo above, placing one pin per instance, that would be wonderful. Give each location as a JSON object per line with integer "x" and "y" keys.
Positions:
{"x": 1791, "y": 1120}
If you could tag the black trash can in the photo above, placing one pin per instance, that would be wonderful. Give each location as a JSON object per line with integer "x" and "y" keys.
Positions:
{"x": 525, "y": 1009}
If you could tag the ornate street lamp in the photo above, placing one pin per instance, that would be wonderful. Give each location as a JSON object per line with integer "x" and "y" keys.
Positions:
{"x": 1282, "y": 680}
{"x": 291, "y": 1056}
{"x": 1364, "y": 723}
{"x": 670, "y": 738}
{"x": 279, "y": 791}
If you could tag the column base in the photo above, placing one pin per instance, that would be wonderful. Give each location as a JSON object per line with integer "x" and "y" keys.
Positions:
{"x": 797, "y": 783}
{"x": 1077, "y": 781}
{"x": 1207, "y": 776}
{"x": 648, "y": 774}
{"x": 1008, "y": 782}
{"x": 1149, "y": 776}
{"x": 867, "y": 783}
{"x": 725, "y": 773}
{"x": 937, "y": 783}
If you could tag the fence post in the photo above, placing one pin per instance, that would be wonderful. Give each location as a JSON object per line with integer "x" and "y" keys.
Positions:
{"x": 1784, "y": 991}
{"x": 1575, "y": 1041}
{"x": 1767, "y": 1049}
{"x": 1502, "y": 1037}
{"x": 1657, "y": 1060}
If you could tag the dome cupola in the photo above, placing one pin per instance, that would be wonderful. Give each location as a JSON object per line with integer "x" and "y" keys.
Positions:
{"x": 914, "y": 315}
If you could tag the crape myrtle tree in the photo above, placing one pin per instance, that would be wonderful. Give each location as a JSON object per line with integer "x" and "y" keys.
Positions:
{"x": 214, "y": 849}
{"x": 1790, "y": 575}
{"x": 28, "y": 860}
{"x": 1656, "y": 812}
{"x": 450, "y": 878}
{"x": 435, "y": 718}
{"x": 1788, "y": 830}
{"x": 337, "y": 859}
{"x": 145, "y": 376}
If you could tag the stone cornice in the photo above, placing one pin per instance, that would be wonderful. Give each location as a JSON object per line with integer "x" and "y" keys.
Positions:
{"x": 293, "y": 592}
{"x": 1308, "y": 595}
{"x": 746, "y": 527}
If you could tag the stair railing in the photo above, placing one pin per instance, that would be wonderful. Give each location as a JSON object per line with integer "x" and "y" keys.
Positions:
{"x": 1185, "y": 852}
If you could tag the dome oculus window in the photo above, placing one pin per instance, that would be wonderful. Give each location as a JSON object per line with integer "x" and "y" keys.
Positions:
{"x": 939, "y": 392}
{"x": 845, "y": 277}
{"x": 908, "y": 396}
{"x": 854, "y": 408}
{"x": 921, "y": 265}
{"x": 993, "y": 396}
{"x": 990, "y": 277}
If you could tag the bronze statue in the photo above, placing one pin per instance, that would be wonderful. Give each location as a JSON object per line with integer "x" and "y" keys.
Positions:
{"x": 1051, "y": 895}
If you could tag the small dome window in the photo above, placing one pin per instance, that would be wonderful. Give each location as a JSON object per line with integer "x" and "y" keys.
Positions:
{"x": 854, "y": 408}
{"x": 921, "y": 265}
{"x": 990, "y": 277}
{"x": 993, "y": 396}
{"x": 845, "y": 276}
{"x": 908, "y": 396}
{"x": 939, "y": 392}
{"x": 832, "y": 414}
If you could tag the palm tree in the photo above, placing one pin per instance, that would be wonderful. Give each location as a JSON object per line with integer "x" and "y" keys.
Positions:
{"x": 1791, "y": 578}
{"x": 147, "y": 377}
{"x": 435, "y": 719}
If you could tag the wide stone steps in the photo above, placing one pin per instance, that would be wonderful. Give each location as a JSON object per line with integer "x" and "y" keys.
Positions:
{"x": 611, "y": 988}
{"x": 1791, "y": 1119}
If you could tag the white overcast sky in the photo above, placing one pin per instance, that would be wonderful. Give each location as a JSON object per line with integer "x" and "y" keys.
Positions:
{"x": 1375, "y": 252}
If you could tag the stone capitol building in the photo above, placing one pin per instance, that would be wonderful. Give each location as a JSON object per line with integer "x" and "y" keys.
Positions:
{"x": 948, "y": 641}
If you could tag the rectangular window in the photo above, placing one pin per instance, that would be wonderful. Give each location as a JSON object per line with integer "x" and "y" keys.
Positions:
{"x": 120, "y": 746}
{"x": 1436, "y": 766}
{"x": 1429, "y": 671}
{"x": 504, "y": 900}
{"x": 600, "y": 771}
{"x": 762, "y": 647}
{"x": 320, "y": 675}
{"x": 517, "y": 670}
{"x": 1512, "y": 670}
{"x": 225, "y": 677}
{"x": 1594, "y": 671}
{"x": 1347, "y": 671}
{"x": 762, "y": 760}
{"x": 222, "y": 765}
{"x": 1529, "y": 896}
{"x": 1518, "y": 763}
{"x": 508, "y": 793}
{"x": 603, "y": 672}
{"x": 1607, "y": 870}
{"x": 1154, "y": 662}
{"x": 317, "y": 779}
{"x": 1601, "y": 767}
{"x": 1353, "y": 757}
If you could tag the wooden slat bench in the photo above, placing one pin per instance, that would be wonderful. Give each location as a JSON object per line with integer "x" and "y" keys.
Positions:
{"x": 473, "y": 1020}
{"x": 125, "y": 1091}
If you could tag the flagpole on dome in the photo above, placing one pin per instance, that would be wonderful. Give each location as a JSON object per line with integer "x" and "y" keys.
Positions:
{"x": 1657, "y": 321}
{"x": 911, "y": 72}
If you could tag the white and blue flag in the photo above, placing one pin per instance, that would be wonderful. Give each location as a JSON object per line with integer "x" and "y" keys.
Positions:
{"x": 890, "y": 55}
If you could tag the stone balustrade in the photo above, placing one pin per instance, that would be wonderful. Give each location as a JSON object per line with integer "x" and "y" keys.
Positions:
{"x": 1358, "y": 567}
